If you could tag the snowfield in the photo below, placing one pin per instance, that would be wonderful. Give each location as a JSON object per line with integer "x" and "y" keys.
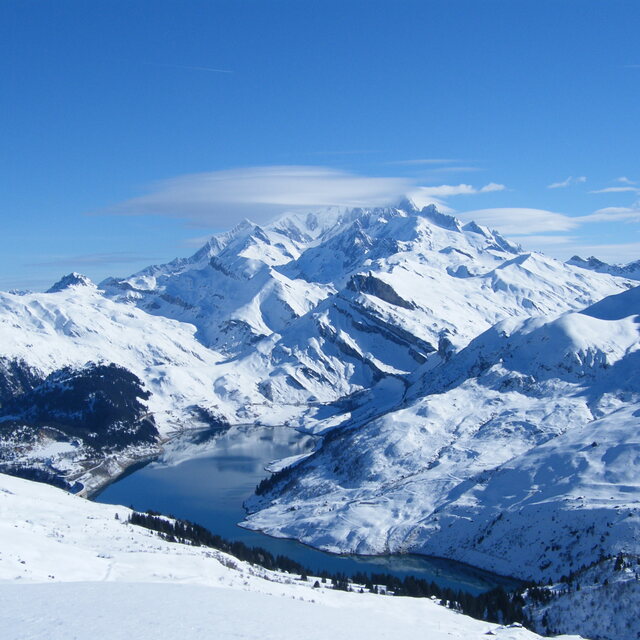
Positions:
{"x": 69, "y": 569}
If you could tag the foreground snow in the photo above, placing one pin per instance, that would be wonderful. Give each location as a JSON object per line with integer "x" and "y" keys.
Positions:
{"x": 70, "y": 569}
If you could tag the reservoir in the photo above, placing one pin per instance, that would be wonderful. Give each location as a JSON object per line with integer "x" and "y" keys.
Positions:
{"x": 206, "y": 475}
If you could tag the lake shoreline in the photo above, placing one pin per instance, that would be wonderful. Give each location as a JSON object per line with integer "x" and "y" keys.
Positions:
{"x": 197, "y": 452}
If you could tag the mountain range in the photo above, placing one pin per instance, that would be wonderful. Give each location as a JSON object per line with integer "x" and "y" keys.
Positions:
{"x": 476, "y": 401}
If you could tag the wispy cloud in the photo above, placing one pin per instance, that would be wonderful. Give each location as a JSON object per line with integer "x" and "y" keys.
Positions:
{"x": 491, "y": 187}
{"x": 522, "y": 221}
{"x": 564, "y": 246}
{"x": 625, "y": 180}
{"x": 424, "y": 161}
{"x": 550, "y": 240}
{"x": 518, "y": 221}
{"x": 221, "y": 198}
{"x": 188, "y": 67}
{"x": 448, "y": 190}
{"x": 437, "y": 195}
{"x": 566, "y": 183}
{"x": 612, "y": 214}
{"x": 627, "y": 189}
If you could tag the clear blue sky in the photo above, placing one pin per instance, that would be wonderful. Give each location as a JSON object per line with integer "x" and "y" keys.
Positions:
{"x": 103, "y": 102}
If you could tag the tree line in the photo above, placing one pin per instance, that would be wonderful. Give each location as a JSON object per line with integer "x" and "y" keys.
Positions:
{"x": 496, "y": 605}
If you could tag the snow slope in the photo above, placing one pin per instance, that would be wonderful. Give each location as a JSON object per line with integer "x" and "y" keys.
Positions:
{"x": 519, "y": 454}
{"x": 70, "y": 569}
{"x": 309, "y": 321}
{"x": 76, "y": 325}
{"x": 274, "y": 323}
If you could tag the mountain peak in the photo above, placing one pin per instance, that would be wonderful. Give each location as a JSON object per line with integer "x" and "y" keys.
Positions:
{"x": 630, "y": 270}
{"x": 408, "y": 205}
{"x": 590, "y": 263}
{"x": 72, "y": 279}
{"x": 443, "y": 220}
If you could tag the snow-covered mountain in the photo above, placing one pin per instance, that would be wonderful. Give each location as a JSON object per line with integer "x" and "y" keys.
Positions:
{"x": 478, "y": 401}
{"x": 311, "y": 309}
{"x": 73, "y": 419}
{"x": 519, "y": 454}
{"x": 75, "y": 333}
{"x": 70, "y": 567}
{"x": 294, "y": 322}
{"x": 601, "y": 600}
{"x": 629, "y": 270}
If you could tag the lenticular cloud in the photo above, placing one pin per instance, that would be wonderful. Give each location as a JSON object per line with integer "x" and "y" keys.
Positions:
{"x": 222, "y": 197}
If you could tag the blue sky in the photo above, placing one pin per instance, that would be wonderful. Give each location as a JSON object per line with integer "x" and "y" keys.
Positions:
{"x": 132, "y": 129}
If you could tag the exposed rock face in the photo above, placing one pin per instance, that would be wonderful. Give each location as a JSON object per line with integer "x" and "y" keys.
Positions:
{"x": 71, "y": 280}
{"x": 378, "y": 288}
{"x": 16, "y": 378}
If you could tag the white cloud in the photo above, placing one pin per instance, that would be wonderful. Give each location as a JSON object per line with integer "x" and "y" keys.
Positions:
{"x": 424, "y": 161}
{"x": 560, "y": 185}
{"x": 612, "y": 214}
{"x": 625, "y": 180}
{"x": 563, "y": 247}
{"x": 492, "y": 186}
{"x": 449, "y": 190}
{"x": 221, "y": 198}
{"x": 617, "y": 190}
{"x": 546, "y": 240}
{"x": 518, "y": 221}
{"x": 566, "y": 183}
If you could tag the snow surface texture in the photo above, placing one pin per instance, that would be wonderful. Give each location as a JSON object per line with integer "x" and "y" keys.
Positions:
{"x": 519, "y": 454}
{"x": 69, "y": 569}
